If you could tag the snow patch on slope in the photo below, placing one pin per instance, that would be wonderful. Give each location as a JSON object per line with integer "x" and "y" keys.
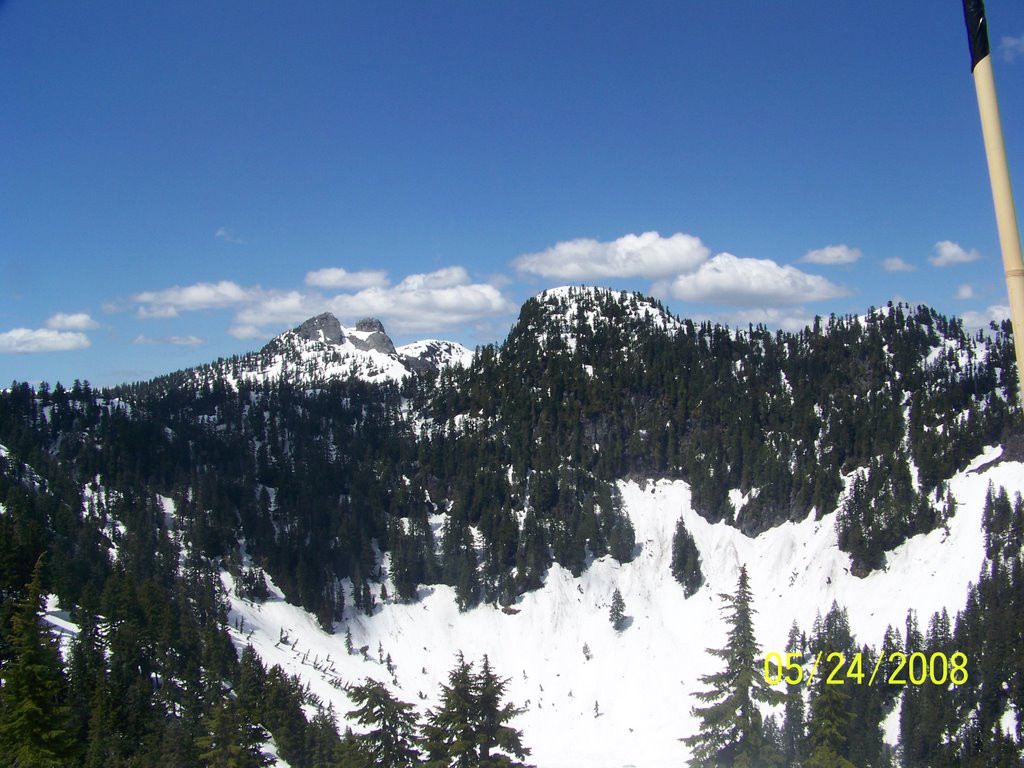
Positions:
{"x": 642, "y": 680}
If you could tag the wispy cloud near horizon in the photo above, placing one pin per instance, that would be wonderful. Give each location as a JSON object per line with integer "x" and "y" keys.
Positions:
{"x": 648, "y": 255}
{"x": 948, "y": 253}
{"x": 27, "y": 340}
{"x": 832, "y": 255}
{"x": 226, "y": 235}
{"x": 1012, "y": 47}
{"x": 744, "y": 282}
{"x": 79, "y": 321}
{"x": 897, "y": 265}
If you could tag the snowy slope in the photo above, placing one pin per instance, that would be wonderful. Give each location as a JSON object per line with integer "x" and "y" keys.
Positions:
{"x": 569, "y": 310}
{"x": 641, "y": 680}
{"x": 322, "y": 349}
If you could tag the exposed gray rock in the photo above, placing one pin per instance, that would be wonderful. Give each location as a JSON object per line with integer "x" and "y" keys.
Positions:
{"x": 378, "y": 340}
{"x": 370, "y": 324}
{"x": 323, "y": 327}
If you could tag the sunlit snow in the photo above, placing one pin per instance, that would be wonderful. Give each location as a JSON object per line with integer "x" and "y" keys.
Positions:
{"x": 630, "y": 702}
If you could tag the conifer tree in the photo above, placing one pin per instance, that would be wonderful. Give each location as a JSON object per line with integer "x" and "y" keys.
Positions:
{"x": 35, "y": 722}
{"x": 449, "y": 730}
{"x": 617, "y": 612}
{"x": 731, "y": 731}
{"x": 621, "y": 536}
{"x": 231, "y": 741}
{"x": 794, "y": 726}
{"x": 686, "y": 560}
{"x": 827, "y": 726}
{"x": 392, "y": 740}
{"x": 470, "y": 728}
{"x": 498, "y": 741}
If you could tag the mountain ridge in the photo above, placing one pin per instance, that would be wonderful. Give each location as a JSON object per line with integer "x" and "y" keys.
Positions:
{"x": 603, "y": 445}
{"x": 321, "y": 349}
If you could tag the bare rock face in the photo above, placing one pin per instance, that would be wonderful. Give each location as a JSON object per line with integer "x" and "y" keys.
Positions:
{"x": 323, "y": 327}
{"x": 369, "y": 325}
{"x": 321, "y": 349}
{"x": 377, "y": 339}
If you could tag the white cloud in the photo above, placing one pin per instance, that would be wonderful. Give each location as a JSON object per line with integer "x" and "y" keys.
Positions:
{"x": 423, "y": 302}
{"x": 149, "y": 313}
{"x": 178, "y": 341}
{"x": 1012, "y": 47}
{"x": 169, "y": 302}
{"x": 79, "y": 321}
{"x": 426, "y": 302}
{"x": 727, "y": 279}
{"x": 647, "y": 255}
{"x": 336, "y": 277}
{"x": 897, "y": 265}
{"x": 279, "y": 309}
{"x": 42, "y": 340}
{"x": 965, "y": 292}
{"x": 833, "y": 254}
{"x": 995, "y": 313}
{"x": 448, "y": 277}
{"x": 225, "y": 234}
{"x": 248, "y": 332}
{"x": 947, "y": 253}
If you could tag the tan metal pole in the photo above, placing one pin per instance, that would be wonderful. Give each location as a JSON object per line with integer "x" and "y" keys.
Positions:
{"x": 999, "y": 176}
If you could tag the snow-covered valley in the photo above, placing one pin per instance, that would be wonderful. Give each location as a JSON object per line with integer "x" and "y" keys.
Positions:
{"x": 626, "y": 699}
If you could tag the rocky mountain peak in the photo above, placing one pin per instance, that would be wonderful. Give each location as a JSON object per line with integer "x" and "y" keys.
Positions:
{"x": 370, "y": 335}
{"x": 370, "y": 324}
{"x": 323, "y": 327}
{"x": 322, "y": 348}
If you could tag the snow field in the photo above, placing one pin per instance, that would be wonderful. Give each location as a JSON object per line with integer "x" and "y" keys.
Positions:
{"x": 642, "y": 679}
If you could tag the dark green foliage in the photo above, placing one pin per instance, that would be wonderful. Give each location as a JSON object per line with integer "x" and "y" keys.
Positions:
{"x": 845, "y": 718}
{"x": 947, "y": 726}
{"x": 619, "y": 530}
{"x": 617, "y": 611}
{"x": 793, "y": 745}
{"x": 35, "y": 722}
{"x": 514, "y": 459}
{"x": 470, "y": 727}
{"x": 686, "y": 560}
{"x": 230, "y": 741}
{"x": 829, "y": 723}
{"x": 392, "y": 740}
{"x": 731, "y": 730}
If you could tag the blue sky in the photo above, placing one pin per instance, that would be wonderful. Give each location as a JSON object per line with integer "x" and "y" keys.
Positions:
{"x": 181, "y": 181}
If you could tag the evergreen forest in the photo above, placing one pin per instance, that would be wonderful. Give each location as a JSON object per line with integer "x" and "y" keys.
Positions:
{"x": 125, "y": 505}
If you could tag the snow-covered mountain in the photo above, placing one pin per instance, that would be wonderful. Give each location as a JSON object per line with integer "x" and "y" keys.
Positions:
{"x": 496, "y": 510}
{"x": 625, "y": 699}
{"x": 559, "y": 317}
{"x": 322, "y": 349}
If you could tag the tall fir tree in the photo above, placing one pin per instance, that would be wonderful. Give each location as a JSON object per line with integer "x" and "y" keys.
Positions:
{"x": 731, "y": 730}
{"x": 617, "y": 611}
{"x": 392, "y": 741}
{"x": 470, "y": 727}
{"x": 498, "y": 741}
{"x": 827, "y": 726}
{"x": 449, "y": 732}
{"x": 232, "y": 741}
{"x": 686, "y": 562}
{"x": 36, "y": 728}
{"x": 794, "y": 724}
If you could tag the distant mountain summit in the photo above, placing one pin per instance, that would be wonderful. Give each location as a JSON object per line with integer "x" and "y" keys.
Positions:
{"x": 322, "y": 349}
{"x": 576, "y": 319}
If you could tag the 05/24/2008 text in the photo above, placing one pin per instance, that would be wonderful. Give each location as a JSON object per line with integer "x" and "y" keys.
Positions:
{"x": 840, "y": 669}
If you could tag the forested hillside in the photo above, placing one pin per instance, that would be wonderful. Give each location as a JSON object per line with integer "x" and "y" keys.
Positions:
{"x": 128, "y": 503}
